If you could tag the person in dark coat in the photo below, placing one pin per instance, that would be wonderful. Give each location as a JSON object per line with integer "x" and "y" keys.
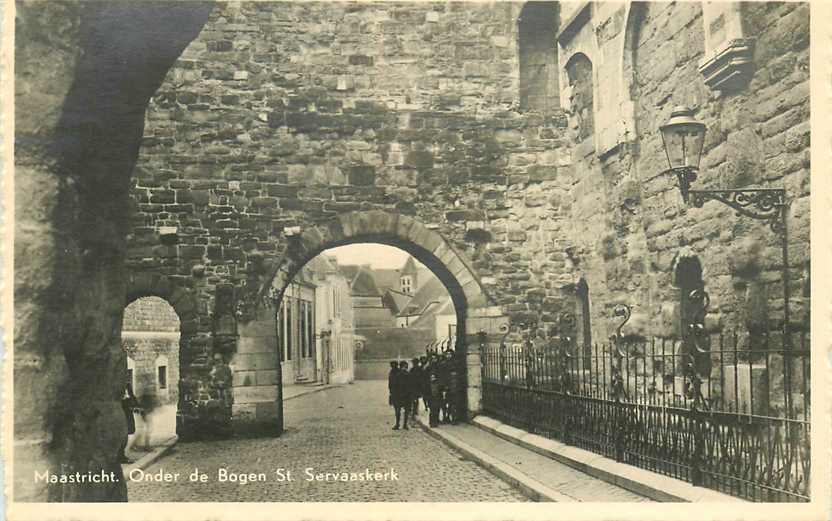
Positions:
{"x": 129, "y": 403}
{"x": 455, "y": 390}
{"x": 435, "y": 396}
{"x": 443, "y": 373}
{"x": 391, "y": 377}
{"x": 424, "y": 384}
{"x": 415, "y": 386}
{"x": 401, "y": 394}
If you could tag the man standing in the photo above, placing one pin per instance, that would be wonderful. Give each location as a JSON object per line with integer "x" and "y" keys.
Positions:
{"x": 443, "y": 374}
{"x": 415, "y": 387}
{"x": 391, "y": 378}
{"x": 128, "y": 404}
{"x": 424, "y": 384}
{"x": 456, "y": 398}
{"x": 400, "y": 394}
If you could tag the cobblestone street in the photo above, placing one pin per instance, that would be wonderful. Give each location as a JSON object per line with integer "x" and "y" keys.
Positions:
{"x": 345, "y": 429}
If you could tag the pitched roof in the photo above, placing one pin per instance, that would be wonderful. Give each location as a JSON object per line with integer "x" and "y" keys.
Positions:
{"x": 396, "y": 300}
{"x": 320, "y": 265}
{"x": 409, "y": 266}
{"x": 386, "y": 278}
{"x": 361, "y": 281}
{"x": 349, "y": 271}
{"x": 432, "y": 291}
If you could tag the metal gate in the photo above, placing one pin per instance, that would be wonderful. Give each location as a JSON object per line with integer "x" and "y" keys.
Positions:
{"x": 725, "y": 411}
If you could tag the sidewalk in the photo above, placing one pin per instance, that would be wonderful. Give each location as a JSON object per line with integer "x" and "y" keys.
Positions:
{"x": 551, "y": 471}
{"x": 539, "y": 477}
{"x": 295, "y": 390}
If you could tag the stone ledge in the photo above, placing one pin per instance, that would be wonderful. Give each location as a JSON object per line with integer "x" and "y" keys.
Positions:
{"x": 643, "y": 482}
{"x": 731, "y": 67}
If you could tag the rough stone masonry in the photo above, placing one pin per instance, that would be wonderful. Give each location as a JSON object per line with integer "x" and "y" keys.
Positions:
{"x": 399, "y": 123}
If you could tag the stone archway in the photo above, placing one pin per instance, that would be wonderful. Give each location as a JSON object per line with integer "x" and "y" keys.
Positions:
{"x": 401, "y": 231}
{"x": 198, "y": 389}
{"x": 155, "y": 285}
{"x": 474, "y": 308}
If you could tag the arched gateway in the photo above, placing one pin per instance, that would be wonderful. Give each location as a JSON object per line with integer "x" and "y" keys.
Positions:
{"x": 257, "y": 408}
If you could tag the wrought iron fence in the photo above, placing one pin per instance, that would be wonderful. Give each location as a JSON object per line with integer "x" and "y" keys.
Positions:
{"x": 728, "y": 411}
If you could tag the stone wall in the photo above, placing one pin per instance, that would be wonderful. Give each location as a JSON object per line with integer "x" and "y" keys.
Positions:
{"x": 407, "y": 108}
{"x": 286, "y": 115}
{"x": 150, "y": 314}
{"x": 253, "y": 132}
{"x": 757, "y": 136}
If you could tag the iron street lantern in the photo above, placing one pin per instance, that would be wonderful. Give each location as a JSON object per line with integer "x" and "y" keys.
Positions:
{"x": 683, "y": 137}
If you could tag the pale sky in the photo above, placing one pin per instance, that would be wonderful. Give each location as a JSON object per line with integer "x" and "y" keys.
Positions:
{"x": 376, "y": 255}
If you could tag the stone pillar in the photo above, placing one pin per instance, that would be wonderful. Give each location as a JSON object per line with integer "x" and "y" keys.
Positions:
{"x": 257, "y": 406}
{"x": 488, "y": 320}
{"x": 84, "y": 75}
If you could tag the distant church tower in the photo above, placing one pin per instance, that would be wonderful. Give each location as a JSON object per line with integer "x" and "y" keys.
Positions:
{"x": 409, "y": 277}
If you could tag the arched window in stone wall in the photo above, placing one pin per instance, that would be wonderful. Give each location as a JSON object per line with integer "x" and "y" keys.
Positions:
{"x": 583, "y": 323}
{"x": 687, "y": 277}
{"x": 579, "y": 73}
{"x": 537, "y": 38}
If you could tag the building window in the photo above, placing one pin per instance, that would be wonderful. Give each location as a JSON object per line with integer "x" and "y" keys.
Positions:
{"x": 281, "y": 331}
{"x": 310, "y": 327}
{"x": 407, "y": 284}
{"x": 304, "y": 340}
{"x": 289, "y": 328}
{"x": 579, "y": 72}
{"x": 130, "y": 379}
{"x": 537, "y": 37}
{"x": 336, "y": 302}
{"x": 162, "y": 372}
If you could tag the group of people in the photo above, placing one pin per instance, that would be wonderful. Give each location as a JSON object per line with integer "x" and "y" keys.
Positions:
{"x": 436, "y": 379}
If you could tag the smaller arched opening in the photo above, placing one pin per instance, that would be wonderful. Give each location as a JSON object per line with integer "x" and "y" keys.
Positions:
{"x": 178, "y": 372}
{"x": 537, "y": 28}
{"x": 581, "y": 92}
{"x": 688, "y": 278}
{"x": 150, "y": 337}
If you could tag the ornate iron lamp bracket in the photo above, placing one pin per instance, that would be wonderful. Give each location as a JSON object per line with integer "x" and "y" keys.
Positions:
{"x": 762, "y": 204}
